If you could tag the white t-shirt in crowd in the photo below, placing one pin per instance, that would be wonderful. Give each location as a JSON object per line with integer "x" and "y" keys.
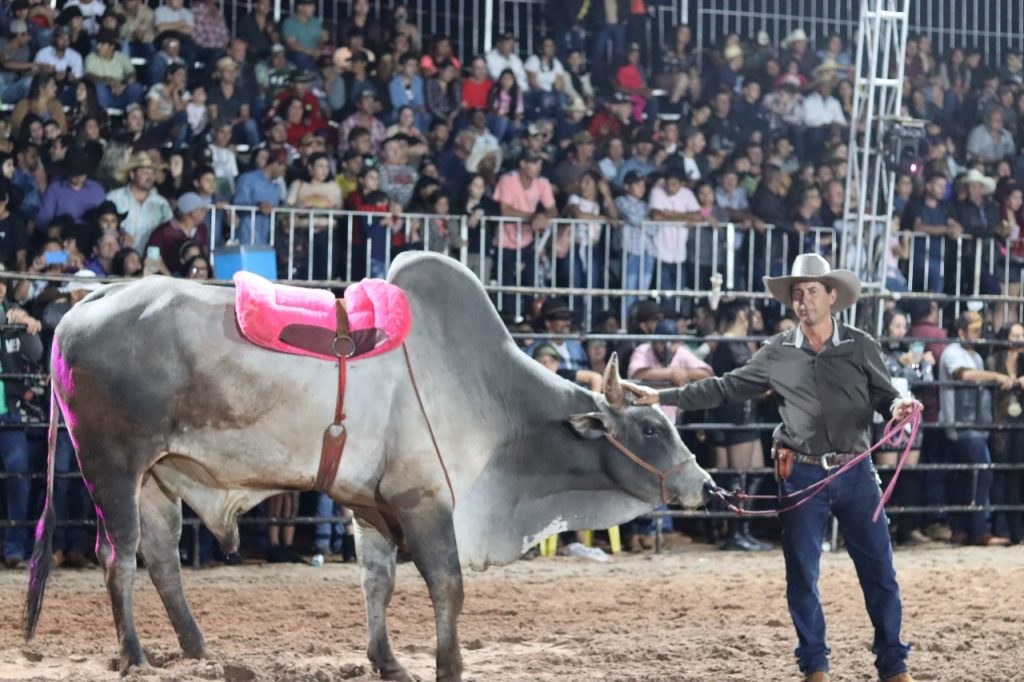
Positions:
{"x": 670, "y": 241}
{"x": 545, "y": 76}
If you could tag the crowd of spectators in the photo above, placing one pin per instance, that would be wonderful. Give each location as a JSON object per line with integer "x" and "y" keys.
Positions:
{"x": 130, "y": 130}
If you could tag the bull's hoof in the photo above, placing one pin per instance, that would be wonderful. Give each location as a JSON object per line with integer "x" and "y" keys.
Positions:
{"x": 395, "y": 673}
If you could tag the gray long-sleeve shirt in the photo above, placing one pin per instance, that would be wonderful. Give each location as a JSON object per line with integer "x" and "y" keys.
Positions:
{"x": 828, "y": 399}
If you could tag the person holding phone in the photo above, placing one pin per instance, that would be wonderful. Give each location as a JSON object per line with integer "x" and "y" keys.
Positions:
{"x": 908, "y": 364}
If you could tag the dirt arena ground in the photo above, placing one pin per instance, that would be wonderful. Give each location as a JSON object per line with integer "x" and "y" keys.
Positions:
{"x": 696, "y": 615}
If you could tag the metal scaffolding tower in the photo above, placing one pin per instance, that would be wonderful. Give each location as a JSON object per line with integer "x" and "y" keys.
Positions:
{"x": 870, "y": 182}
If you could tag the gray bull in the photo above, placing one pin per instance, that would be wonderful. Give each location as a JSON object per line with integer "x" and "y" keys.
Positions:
{"x": 166, "y": 402}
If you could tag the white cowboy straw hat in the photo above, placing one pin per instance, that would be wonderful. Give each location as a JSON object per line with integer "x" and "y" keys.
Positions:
{"x": 976, "y": 176}
{"x": 796, "y": 36}
{"x": 83, "y": 285}
{"x": 810, "y": 267}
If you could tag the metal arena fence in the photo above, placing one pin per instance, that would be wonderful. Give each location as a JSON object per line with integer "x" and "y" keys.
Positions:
{"x": 602, "y": 264}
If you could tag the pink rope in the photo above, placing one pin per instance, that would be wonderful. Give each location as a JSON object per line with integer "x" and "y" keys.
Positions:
{"x": 893, "y": 435}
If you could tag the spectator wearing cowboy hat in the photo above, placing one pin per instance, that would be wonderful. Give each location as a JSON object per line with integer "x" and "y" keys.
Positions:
{"x": 144, "y": 206}
{"x": 822, "y": 362}
{"x": 232, "y": 104}
{"x": 112, "y": 72}
{"x": 981, "y": 219}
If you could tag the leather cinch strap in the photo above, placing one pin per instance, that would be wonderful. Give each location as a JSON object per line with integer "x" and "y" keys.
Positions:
{"x": 335, "y": 435}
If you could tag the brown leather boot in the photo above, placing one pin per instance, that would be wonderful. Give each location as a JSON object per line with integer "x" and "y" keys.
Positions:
{"x": 817, "y": 676}
{"x": 901, "y": 677}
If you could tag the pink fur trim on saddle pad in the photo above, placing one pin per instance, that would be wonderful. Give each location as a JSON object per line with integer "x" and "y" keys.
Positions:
{"x": 263, "y": 309}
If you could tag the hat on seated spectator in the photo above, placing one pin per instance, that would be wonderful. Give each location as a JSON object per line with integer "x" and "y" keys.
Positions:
{"x": 84, "y": 275}
{"x": 828, "y": 67}
{"x": 18, "y": 26}
{"x": 226, "y": 63}
{"x": 666, "y": 327}
{"x": 647, "y": 310}
{"x": 546, "y": 350}
{"x": 633, "y": 177}
{"x": 796, "y": 36}
{"x": 139, "y": 159}
{"x": 968, "y": 319}
{"x": 763, "y": 39}
{"x": 733, "y": 52}
{"x": 974, "y": 176}
{"x": 369, "y": 92}
{"x": 61, "y": 30}
{"x": 108, "y": 207}
{"x": 301, "y": 76}
{"x": 277, "y": 48}
{"x": 619, "y": 98}
{"x": 190, "y": 201}
{"x": 555, "y": 309}
{"x": 583, "y": 137}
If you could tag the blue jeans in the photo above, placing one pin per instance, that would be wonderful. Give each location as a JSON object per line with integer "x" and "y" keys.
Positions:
{"x": 70, "y": 499}
{"x": 246, "y": 132}
{"x": 971, "y": 450}
{"x": 511, "y": 276}
{"x": 14, "y": 454}
{"x": 328, "y": 535}
{"x": 132, "y": 94}
{"x": 933, "y": 280}
{"x": 851, "y": 499}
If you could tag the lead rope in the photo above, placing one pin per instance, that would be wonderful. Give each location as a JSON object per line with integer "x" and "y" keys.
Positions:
{"x": 423, "y": 411}
{"x": 892, "y": 435}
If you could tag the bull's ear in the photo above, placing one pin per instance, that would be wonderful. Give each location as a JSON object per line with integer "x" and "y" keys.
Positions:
{"x": 591, "y": 425}
{"x": 613, "y": 392}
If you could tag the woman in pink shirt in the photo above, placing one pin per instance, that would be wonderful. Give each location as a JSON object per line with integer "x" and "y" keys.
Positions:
{"x": 630, "y": 80}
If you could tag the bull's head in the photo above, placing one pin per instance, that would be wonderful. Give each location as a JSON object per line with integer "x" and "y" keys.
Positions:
{"x": 646, "y": 434}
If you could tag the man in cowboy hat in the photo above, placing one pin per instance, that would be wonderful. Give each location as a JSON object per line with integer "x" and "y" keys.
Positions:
{"x": 981, "y": 219}
{"x": 830, "y": 379}
{"x": 139, "y": 199}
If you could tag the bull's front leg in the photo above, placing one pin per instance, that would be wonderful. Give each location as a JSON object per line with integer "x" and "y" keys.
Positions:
{"x": 430, "y": 538}
{"x": 377, "y": 557}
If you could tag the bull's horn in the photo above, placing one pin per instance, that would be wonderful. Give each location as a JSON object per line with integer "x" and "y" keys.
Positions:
{"x": 613, "y": 391}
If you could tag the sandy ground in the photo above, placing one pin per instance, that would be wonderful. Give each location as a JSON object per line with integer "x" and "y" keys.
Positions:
{"x": 696, "y": 615}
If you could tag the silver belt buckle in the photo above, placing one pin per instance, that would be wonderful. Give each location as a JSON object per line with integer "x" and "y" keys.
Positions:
{"x": 824, "y": 461}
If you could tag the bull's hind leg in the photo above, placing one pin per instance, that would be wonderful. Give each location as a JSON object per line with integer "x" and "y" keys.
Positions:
{"x": 377, "y": 557}
{"x": 117, "y": 512}
{"x": 430, "y": 537}
{"x": 161, "y": 531}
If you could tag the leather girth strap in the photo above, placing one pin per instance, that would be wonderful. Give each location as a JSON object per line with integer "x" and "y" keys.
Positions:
{"x": 335, "y": 435}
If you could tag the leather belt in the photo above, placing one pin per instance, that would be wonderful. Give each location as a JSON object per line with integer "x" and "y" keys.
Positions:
{"x": 830, "y": 460}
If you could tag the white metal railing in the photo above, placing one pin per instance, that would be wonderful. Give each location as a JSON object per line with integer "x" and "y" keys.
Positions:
{"x": 993, "y": 27}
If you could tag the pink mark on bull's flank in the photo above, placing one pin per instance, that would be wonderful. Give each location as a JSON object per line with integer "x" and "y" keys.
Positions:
{"x": 64, "y": 383}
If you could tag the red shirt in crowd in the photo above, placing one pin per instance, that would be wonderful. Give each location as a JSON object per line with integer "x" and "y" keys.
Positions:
{"x": 474, "y": 95}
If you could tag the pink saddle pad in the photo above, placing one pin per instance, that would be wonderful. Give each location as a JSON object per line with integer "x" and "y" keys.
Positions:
{"x": 263, "y": 309}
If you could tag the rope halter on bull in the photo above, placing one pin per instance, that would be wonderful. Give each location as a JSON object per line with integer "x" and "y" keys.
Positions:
{"x": 615, "y": 393}
{"x": 901, "y": 433}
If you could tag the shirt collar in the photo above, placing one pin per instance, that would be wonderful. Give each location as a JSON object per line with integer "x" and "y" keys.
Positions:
{"x": 798, "y": 335}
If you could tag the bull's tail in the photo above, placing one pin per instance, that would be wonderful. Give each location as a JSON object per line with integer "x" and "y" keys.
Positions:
{"x": 42, "y": 556}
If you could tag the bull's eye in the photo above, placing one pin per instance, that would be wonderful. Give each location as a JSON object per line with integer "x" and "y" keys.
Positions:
{"x": 650, "y": 431}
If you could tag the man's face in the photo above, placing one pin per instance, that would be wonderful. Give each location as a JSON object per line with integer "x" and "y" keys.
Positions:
{"x": 558, "y": 324}
{"x": 530, "y": 169}
{"x": 937, "y": 188}
{"x": 812, "y": 302}
{"x": 30, "y": 158}
{"x": 62, "y": 41}
{"x": 393, "y": 155}
{"x": 975, "y": 192}
{"x": 673, "y": 185}
{"x": 143, "y": 178}
{"x": 970, "y": 336}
